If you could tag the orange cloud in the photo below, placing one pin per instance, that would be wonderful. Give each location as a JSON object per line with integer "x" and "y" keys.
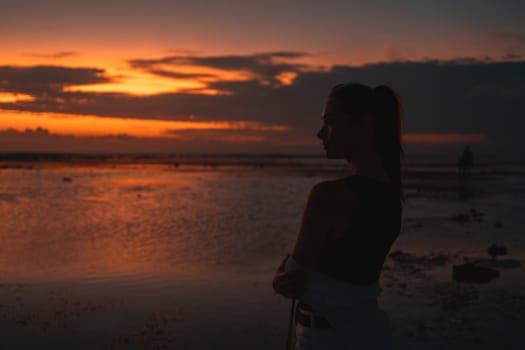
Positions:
{"x": 240, "y": 138}
{"x": 92, "y": 125}
{"x": 286, "y": 78}
{"x": 138, "y": 83}
{"x": 10, "y": 97}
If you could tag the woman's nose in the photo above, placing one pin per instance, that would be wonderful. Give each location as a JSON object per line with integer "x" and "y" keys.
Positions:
{"x": 321, "y": 133}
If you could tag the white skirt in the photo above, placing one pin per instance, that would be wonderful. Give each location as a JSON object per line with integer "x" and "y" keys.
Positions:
{"x": 351, "y": 310}
{"x": 368, "y": 331}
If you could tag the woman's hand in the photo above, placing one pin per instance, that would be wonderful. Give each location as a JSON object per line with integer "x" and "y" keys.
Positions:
{"x": 291, "y": 284}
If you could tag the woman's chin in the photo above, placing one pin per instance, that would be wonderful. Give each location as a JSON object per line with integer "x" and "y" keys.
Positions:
{"x": 332, "y": 155}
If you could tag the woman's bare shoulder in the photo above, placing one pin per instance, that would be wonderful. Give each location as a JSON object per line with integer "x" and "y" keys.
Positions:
{"x": 337, "y": 189}
{"x": 332, "y": 185}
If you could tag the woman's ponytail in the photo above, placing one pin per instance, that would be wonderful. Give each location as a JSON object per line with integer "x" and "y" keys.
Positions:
{"x": 387, "y": 112}
{"x": 382, "y": 103}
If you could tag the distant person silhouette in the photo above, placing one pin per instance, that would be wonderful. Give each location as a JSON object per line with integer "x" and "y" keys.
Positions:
{"x": 348, "y": 226}
{"x": 465, "y": 164}
{"x": 466, "y": 161}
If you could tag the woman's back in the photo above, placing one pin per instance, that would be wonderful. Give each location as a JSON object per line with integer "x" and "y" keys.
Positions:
{"x": 358, "y": 254}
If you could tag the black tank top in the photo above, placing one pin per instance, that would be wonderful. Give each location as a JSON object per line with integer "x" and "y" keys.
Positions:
{"x": 358, "y": 256}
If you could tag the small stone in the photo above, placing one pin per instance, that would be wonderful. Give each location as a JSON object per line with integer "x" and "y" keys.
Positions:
{"x": 468, "y": 272}
{"x": 460, "y": 218}
{"x": 495, "y": 250}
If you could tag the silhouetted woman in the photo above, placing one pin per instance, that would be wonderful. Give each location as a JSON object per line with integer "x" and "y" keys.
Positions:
{"x": 348, "y": 226}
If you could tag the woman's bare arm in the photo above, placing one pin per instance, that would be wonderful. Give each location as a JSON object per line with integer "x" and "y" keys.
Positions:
{"x": 309, "y": 247}
{"x": 315, "y": 226}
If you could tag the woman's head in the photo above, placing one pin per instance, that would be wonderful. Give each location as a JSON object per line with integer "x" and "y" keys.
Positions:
{"x": 360, "y": 122}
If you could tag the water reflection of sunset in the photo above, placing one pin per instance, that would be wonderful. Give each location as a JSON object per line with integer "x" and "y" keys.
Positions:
{"x": 114, "y": 223}
{"x": 109, "y": 223}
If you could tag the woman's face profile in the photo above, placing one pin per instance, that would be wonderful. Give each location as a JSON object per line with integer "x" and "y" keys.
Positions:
{"x": 335, "y": 132}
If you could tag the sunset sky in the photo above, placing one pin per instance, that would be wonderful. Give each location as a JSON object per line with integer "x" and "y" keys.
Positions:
{"x": 252, "y": 76}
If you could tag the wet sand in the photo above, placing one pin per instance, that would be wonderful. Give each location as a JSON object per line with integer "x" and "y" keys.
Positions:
{"x": 427, "y": 310}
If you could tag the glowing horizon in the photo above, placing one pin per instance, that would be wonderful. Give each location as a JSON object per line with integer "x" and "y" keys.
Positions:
{"x": 93, "y": 125}
{"x": 436, "y": 138}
